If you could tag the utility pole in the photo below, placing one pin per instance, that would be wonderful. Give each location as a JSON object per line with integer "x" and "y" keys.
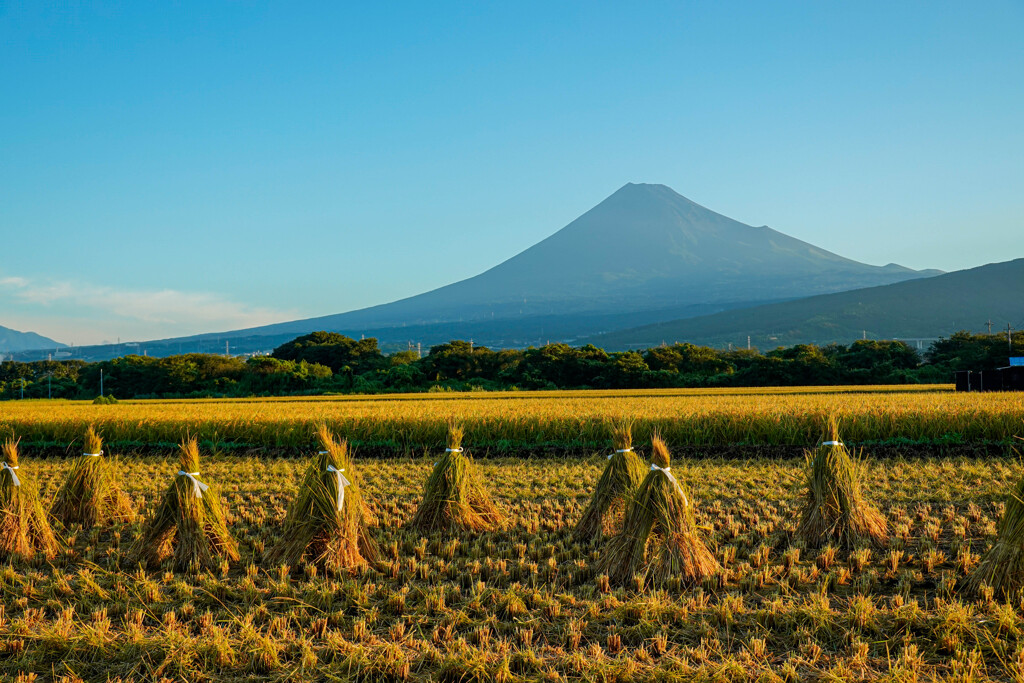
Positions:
{"x": 101, "y": 381}
{"x": 1009, "y": 338}
{"x": 227, "y": 351}
{"x": 49, "y": 390}
{"x": 864, "y": 335}
{"x": 989, "y": 323}
{"x": 419, "y": 349}
{"x": 23, "y": 387}
{"x": 748, "y": 342}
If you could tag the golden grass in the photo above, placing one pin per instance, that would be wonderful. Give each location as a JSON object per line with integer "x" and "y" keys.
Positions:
{"x": 574, "y": 420}
{"x": 524, "y": 604}
{"x": 614, "y": 490}
{"x": 24, "y": 527}
{"x": 189, "y": 525}
{"x": 835, "y": 509}
{"x": 332, "y": 536}
{"x": 454, "y": 496}
{"x": 91, "y": 495}
{"x": 659, "y": 540}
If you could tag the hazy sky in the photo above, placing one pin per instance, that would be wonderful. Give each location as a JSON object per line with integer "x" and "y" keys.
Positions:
{"x": 175, "y": 168}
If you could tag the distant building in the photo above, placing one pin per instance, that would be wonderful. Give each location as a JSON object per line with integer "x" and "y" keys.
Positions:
{"x": 1009, "y": 378}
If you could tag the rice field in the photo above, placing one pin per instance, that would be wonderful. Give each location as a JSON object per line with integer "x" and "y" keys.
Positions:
{"x": 526, "y": 604}
{"x": 511, "y": 422}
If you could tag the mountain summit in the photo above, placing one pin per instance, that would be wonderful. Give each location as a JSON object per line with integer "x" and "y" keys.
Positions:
{"x": 644, "y": 248}
{"x": 644, "y": 255}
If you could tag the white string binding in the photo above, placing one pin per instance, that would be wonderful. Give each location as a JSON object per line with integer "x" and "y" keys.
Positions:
{"x": 832, "y": 443}
{"x": 453, "y": 450}
{"x": 197, "y": 485}
{"x": 14, "y": 477}
{"x": 342, "y": 483}
{"x": 671, "y": 478}
{"x": 93, "y": 455}
{"x": 622, "y": 450}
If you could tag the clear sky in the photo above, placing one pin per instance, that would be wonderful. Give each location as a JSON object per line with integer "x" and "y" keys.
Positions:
{"x": 171, "y": 168}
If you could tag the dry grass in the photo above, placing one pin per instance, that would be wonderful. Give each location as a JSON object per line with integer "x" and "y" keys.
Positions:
{"x": 91, "y": 495}
{"x": 454, "y": 496}
{"x": 24, "y": 528}
{"x": 189, "y": 525}
{"x": 326, "y": 522}
{"x": 1002, "y": 567}
{"x": 616, "y": 487}
{"x": 524, "y": 604}
{"x": 659, "y": 539}
{"x": 835, "y": 510}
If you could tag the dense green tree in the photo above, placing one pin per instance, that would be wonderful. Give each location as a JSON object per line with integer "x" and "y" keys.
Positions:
{"x": 359, "y": 367}
{"x": 334, "y": 350}
{"x": 687, "y": 359}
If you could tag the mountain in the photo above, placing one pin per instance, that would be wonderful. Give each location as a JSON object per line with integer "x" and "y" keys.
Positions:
{"x": 12, "y": 340}
{"x": 918, "y": 309}
{"x": 644, "y": 255}
{"x": 644, "y": 248}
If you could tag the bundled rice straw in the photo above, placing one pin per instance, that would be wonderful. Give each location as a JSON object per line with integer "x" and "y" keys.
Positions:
{"x": 24, "y": 528}
{"x": 189, "y": 523}
{"x": 91, "y": 496}
{"x": 659, "y": 535}
{"x": 617, "y": 484}
{"x": 835, "y": 510}
{"x": 454, "y": 496}
{"x": 1002, "y": 567}
{"x": 326, "y": 522}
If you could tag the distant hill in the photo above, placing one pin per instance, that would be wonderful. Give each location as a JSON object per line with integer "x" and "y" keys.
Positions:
{"x": 918, "y": 309}
{"x": 13, "y": 341}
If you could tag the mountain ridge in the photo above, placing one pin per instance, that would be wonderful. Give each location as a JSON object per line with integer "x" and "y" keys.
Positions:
{"x": 15, "y": 341}
{"x": 914, "y": 309}
{"x": 587, "y": 266}
{"x": 645, "y": 254}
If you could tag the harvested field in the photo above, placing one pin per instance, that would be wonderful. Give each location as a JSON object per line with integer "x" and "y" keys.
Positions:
{"x": 524, "y": 604}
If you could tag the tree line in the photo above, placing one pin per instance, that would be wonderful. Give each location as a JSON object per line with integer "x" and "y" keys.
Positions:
{"x": 327, "y": 362}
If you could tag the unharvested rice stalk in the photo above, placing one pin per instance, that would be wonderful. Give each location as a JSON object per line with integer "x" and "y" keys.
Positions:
{"x": 326, "y": 522}
{"x": 835, "y": 510}
{"x": 1002, "y": 567}
{"x": 91, "y": 495}
{"x": 24, "y": 527}
{"x": 454, "y": 496}
{"x": 659, "y": 538}
{"x": 189, "y": 523}
{"x": 619, "y": 481}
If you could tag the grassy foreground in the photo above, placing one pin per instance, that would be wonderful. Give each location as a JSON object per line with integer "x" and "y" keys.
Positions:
{"x": 525, "y": 604}
{"x": 536, "y": 421}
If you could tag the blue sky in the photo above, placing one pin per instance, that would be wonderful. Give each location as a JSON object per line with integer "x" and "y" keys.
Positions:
{"x": 168, "y": 169}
